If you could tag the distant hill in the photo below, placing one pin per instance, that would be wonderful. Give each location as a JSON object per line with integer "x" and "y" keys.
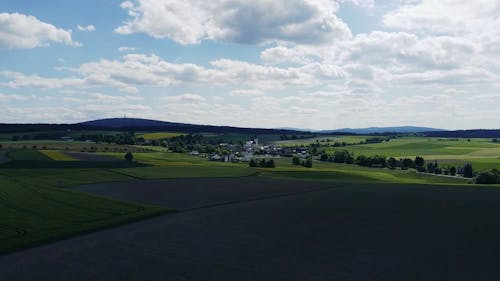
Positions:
{"x": 479, "y": 133}
{"x": 136, "y": 124}
{"x": 380, "y": 130}
{"x": 129, "y": 122}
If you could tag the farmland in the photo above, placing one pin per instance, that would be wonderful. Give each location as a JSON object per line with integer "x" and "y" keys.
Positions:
{"x": 480, "y": 152}
{"x": 41, "y": 203}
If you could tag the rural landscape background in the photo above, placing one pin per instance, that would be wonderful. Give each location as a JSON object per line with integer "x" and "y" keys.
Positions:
{"x": 236, "y": 140}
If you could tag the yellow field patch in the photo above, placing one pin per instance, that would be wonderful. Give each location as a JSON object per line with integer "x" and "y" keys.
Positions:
{"x": 159, "y": 136}
{"x": 57, "y": 155}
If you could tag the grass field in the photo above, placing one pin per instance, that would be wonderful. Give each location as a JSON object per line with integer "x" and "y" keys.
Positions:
{"x": 27, "y": 155}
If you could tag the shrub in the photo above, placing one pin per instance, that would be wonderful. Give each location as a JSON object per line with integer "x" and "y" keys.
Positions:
{"x": 488, "y": 177}
{"x": 129, "y": 157}
{"x": 252, "y": 163}
{"x": 296, "y": 160}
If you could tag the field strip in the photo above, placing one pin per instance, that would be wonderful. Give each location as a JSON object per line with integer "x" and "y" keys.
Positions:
{"x": 58, "y": 155}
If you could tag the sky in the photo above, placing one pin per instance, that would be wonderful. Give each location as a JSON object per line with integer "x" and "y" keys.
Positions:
{"x": 315, "y": 64}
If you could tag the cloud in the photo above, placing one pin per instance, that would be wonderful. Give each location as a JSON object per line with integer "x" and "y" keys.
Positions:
{"x": 19, "y": 31}
{"x": 12, "y": 97}
{"x": 283, "y": 54}
{"x": 238, "y": 21}
{"x": 444, "y": 16}
{"x": 246, "y": 93}
{"x": 88, "y": 28}
{"x": 185, "y": 98}
{"x": 360, "y": 3}
{"x": 140, "y": 70}
{"x": 126, "y": 49}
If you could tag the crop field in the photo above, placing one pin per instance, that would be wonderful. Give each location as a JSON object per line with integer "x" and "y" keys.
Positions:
{"x": 322, "y": 139}
{"x": 34, "y": 210}
{"x": 58, "y": 155}
{"x": 159, "y": 136}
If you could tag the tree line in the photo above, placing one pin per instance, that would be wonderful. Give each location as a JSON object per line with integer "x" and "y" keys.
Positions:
{"x": 378, "y": 161}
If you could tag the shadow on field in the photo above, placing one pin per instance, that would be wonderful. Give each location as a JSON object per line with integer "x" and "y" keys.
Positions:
{"x": 268, "y": 229}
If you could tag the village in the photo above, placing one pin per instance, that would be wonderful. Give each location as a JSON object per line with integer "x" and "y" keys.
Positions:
{"x": 251, "y": 149}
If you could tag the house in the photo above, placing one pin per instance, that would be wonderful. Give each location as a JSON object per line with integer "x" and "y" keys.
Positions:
{"x": 194, "y": 153}
{"x": 215, "y": 157}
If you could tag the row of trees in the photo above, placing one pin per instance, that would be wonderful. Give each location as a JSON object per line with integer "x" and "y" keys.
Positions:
{"x": 262, "y": 163}
{"x": 339, "y": 156}
{"x": 378, "y": 161}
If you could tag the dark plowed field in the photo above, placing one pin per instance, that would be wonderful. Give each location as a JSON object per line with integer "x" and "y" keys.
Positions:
{"x": 91, "y": 157}
{"x": 3, "y": 156}
{"x": 350, "y": 232}
{"x": 183, "y": 194}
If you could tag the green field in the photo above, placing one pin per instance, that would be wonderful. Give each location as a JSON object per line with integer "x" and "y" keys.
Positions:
{"x": 481, "y": 153}
{"x": 35, "y": 210}
{"x": 322, "y": 140}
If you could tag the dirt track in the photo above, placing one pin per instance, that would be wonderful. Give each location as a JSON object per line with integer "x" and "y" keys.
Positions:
{"x": 355, "y": 232}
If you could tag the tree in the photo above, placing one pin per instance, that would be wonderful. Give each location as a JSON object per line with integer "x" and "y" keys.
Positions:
{"x": 324, "y": 157}
{"x": 392, "y": 163}
{"x": 129, "y": 157}
{"x": 488, "y": 177}
{"x": 262, "y": 163}
{"x": 419, "y": 161}
{"x": 407, "y": 163}
{"x": 468, "y": 171}
{"x": 362, "y": 160}
{"x": 252, "y": 163}
{"x": 453, "y": 170}
{"x": 295, "y": 160}
{"x": 270, "y": 164}
{"x": 308, "y": 163}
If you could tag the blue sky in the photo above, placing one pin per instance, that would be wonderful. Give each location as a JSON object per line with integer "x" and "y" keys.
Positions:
{"x": 318, "y": 64}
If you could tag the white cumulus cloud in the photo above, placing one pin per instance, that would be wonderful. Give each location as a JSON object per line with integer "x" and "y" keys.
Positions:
{"x": 88, "y": 28}
{"x": 19, "y": 31}
{"x": 248, "y": 22}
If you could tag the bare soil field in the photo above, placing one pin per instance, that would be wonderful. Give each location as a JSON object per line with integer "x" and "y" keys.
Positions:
{"x": 185, "y": 194}
{"x": 314, "y": 231}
